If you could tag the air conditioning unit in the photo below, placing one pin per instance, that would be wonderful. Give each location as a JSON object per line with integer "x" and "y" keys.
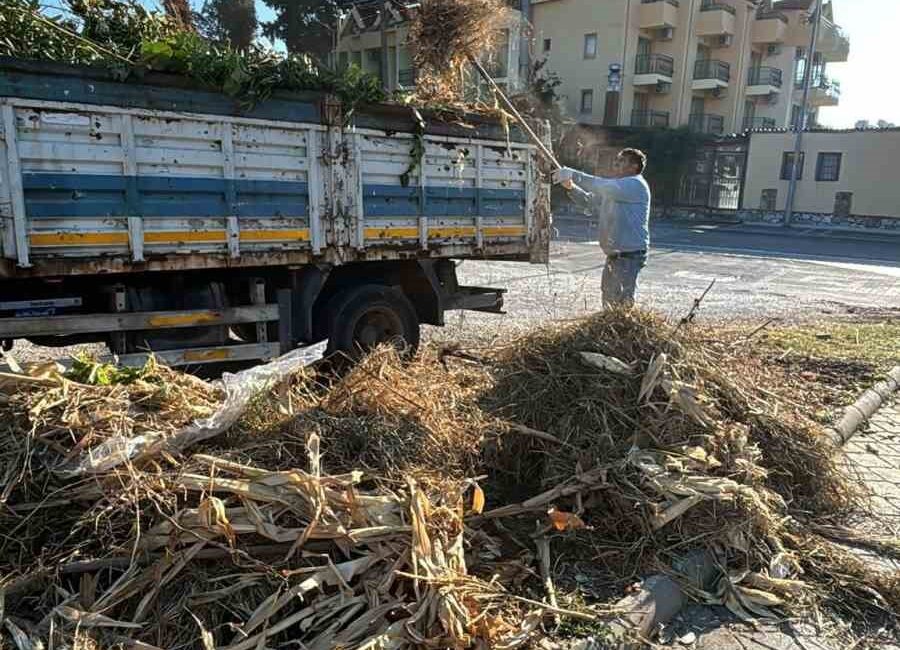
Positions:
{"x": 773, "y": 50}
{"x": 719, "y": 93}
{"x": 725, "y": 40}
{"x": 662, "y": 88}
{"x": 666, "y": 33}
{"x": 771, "y": 99}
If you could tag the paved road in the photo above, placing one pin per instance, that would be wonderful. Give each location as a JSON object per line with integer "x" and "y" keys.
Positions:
{"x": 759, "y": 274}
{"x": 798, "y": 277}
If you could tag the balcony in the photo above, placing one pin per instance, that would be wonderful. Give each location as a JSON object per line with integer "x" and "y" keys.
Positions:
{"x": 764, "y": 81}
{"x": 653, "y": 69}
{"x": 650, "y": 118}
{"x": 825, "y": 92}
{"x": 758, "y": 123}
{"x": 833, "y": 43}
{"x": 706, "y": 123}
{"x": 716, "y": 18}
{"x": 710, "y": 74}
{"x": 770, "y": 27}
{"x": 658, "y": 14}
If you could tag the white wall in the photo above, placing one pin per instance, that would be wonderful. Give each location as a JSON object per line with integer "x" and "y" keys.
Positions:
{"x": 869, "y": 168}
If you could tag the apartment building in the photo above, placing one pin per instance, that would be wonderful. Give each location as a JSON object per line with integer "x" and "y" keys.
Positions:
{"x": 718, "y": 66}
{"x": 360, "y": 41}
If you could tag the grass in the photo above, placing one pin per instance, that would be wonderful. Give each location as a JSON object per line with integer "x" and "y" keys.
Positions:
{"x": 874, "y": 343}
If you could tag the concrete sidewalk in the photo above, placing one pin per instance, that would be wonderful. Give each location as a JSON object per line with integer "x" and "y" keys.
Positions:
{"x": 874, "y": 456}
{"x": 759, "y": 228}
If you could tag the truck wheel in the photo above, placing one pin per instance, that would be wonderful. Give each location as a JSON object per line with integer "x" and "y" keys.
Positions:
{"x": 362, "y": 318}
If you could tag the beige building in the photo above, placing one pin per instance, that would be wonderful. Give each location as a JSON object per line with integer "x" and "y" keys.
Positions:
{"x": 719, "y": 66}
{"x": 360, "y": 42}
{"x": 841, "y": 172}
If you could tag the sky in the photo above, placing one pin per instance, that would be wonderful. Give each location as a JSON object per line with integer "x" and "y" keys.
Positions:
{"x": 868, "y": 87}
{"x": 869, "y": 91}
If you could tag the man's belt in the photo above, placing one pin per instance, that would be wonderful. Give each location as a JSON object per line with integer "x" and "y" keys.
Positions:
{"x": 627, "y": 254}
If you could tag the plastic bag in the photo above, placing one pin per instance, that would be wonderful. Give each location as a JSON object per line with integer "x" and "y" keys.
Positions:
{"x": 239, "y": 388}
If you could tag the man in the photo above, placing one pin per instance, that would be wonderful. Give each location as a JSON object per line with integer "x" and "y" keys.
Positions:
{"x": 622, "y": 204}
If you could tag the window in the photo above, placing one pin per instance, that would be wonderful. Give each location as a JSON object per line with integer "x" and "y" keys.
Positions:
{"x": 828, "y": 167}
{"x": 787, "y": 166}
{"x": 547, "y": 44}
{"x": 587, "y": 101}
{"x": 590, "y": 46}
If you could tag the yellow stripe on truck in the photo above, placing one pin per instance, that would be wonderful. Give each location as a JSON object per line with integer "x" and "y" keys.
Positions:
{"x": 441, "y": 232}
{"x": 392, "y": 233}
{"x": 275, "y": 235}
{"x": 184, "y": 237}
{"x": 163, "y": 237}
{"x": 199, "y": 356}
{"x": 220, "y": 236}
{"x": 181, "y": 320}
{"x": 504, "y": 231}
{"x": 79, "y": 239}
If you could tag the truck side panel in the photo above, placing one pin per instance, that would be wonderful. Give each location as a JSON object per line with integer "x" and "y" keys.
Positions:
{"x": 108, "y": 189}
{"x": 457, "y": 192}
{"x": 198, "y": 186}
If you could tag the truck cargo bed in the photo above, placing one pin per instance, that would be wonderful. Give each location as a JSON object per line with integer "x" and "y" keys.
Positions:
{"x": 98, "y": 176}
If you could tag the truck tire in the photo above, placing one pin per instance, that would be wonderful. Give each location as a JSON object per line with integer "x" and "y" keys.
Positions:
{"x": 363, "y": 317}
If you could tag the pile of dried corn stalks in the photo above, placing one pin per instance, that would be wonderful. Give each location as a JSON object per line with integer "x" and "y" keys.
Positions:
{"x": 171, "y": 548}
{"x": 421, "y": 504}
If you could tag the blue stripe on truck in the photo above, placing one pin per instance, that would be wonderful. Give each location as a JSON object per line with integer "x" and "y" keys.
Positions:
{"x": 94, "y": 195}
{"x": 50, "y": 195}
{"x": 442, "y": 201}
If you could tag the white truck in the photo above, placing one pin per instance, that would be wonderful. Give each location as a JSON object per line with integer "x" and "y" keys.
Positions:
{"x": 158, "y": 217}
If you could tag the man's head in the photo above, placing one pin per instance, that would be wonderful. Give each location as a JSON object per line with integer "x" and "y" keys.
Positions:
{"x": 630, "y": 162}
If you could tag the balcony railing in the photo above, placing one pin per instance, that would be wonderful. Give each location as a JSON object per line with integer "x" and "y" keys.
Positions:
{"x": 765, "y": 76}
{"x": 831, "y": 87}
{"x": 674, "y": 3}
{"x": 407, "y": 77}
{"x": 821, "y": 82}
{"x": 650, "y": 118}
{"x": 771, "y": 15}
{"x": 715, "y": 5}
{"x": 706, "y": 123}
{"x": 660, "y": 64}
{"x": 753, "y": 123}
{"x": 712, "y": 69}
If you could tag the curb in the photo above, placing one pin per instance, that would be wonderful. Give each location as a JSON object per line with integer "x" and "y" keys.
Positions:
{"x": 858, "y": 413}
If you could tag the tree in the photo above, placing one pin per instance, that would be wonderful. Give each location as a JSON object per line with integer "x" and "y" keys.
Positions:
{"x": 179, "y": 11}
{"x": 232, "y": 21}
{"x": 304, "y": 25}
